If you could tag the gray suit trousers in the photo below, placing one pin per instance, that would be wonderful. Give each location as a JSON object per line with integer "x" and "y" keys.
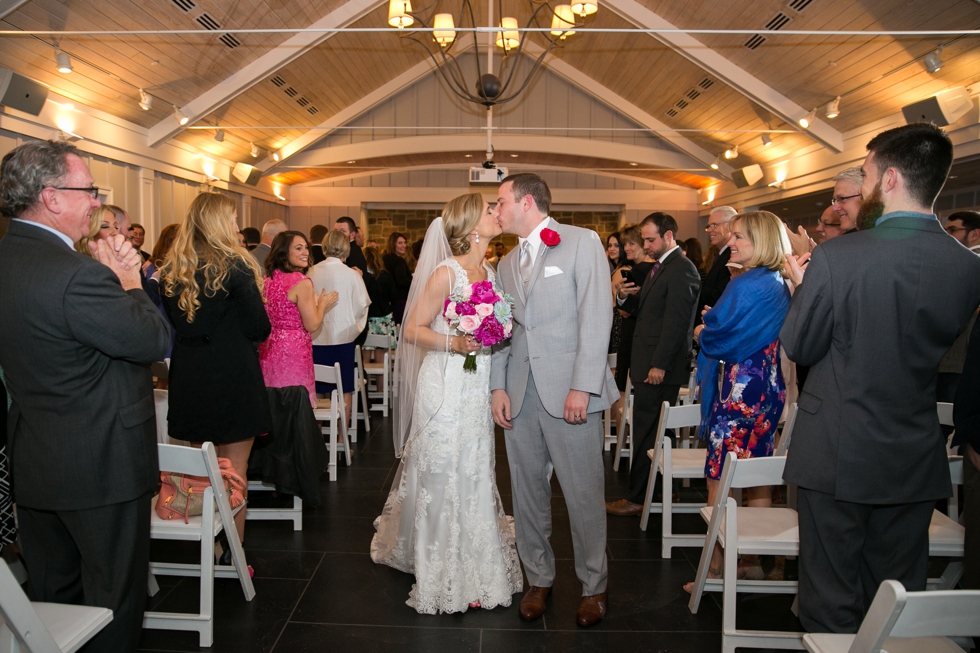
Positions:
{"x": 537, "y": 445}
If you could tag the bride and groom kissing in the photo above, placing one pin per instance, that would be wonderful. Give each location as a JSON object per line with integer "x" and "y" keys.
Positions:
{"x": 546, "y": 387}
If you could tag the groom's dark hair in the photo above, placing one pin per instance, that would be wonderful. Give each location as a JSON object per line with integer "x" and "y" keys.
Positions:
{"x": 663, "y": 221}
{"x": 526, "y": 183}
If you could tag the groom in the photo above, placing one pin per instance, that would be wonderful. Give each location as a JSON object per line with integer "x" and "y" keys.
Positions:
{"x": 550, "y": 384}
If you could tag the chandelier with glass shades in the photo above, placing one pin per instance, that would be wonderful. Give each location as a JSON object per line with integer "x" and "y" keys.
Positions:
{"x": 490, "y": 89}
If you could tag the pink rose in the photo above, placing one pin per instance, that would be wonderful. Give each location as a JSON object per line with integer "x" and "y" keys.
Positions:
{"x": 469, "y": 323}
{"x": 450, "y": 312}
{"x": 483, "y": 292}
{"x": 508, "y": 328}
{"x": 484, "y": 310}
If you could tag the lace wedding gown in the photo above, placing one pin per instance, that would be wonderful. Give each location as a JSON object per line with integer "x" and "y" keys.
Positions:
{"x": 443, "y": 520}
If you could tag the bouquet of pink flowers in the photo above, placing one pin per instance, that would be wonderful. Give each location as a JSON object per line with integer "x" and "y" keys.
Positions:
{"x": 479, "y": 311}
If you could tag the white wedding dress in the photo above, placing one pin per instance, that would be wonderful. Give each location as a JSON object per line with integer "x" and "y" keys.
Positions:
{"x": 443, "y": 520}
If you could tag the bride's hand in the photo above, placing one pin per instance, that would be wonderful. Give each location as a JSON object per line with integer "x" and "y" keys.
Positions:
{"x": 464, "y": 344}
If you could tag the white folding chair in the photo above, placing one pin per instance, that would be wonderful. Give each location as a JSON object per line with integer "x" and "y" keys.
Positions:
{"x": 361, "y": 408}
{"x": 202, "y": 528}
{"x": 907, "y": 622}
{"x": 607, "y": 417}
{"x": 625, "y": 436}
{"x": 946, "y": 537}
{"x": 758, "y": 531}
{"x": 673, "y": 463}
{"x": 379, "y": 371}
{"x": 293, "y": 514}
{"x": 333, "y": 412}
{"x": 685, "y": 437}
{"x": 37, "y": 627}
{"x": 786, "y": 435}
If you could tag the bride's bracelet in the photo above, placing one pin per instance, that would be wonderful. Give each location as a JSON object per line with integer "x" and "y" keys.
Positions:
{"x": 449, "y": 347}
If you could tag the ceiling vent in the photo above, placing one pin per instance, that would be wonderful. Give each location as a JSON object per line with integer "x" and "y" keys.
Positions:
{"x": 755, "y": 41}
{"x": 230, "y": 41}
{"x": 184, "y": 5}
{"x": 682, "y": 104}
{"x": 778, "y": 22}
{"x": 672, "y": 112}
{"x": 312, "y": 110}
{"x": 278, "y": 81}
{"x": 302, "y": 102}
{"x": 706, "y": 83}
{"x": 208, "y": 23}
{"x": 290, "y": 91}
{"x": 693, "y": 94}
{"x": 799, "y": 5}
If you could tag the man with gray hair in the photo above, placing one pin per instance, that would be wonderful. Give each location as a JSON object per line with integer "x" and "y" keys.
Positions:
{"x": 77, "y": 336}
{"x": 718, "y": 276}
{"x": 270, "y": 230}
{"x": 847, "y": 197}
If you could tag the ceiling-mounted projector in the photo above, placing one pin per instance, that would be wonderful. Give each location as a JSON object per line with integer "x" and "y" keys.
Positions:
{"x": 943, "y": 108}
{"x": 479, "y": 175}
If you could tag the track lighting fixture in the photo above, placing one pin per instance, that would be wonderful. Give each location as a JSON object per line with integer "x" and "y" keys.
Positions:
{"x": 766, "y": 140}
{"x": 63, "y": 61}
{"x": 275, "y": 157}
{"x": 833, "y": 108}
{"x": 146, "y": 101}
{"x": 934, "y": 61}
{"x": 808, "y": 119}
{"x": 219, "y": 135}
{"x": 180, "y": 116}
{"x": 255, "y": 151}
{"x": 731, "y": 153}
{"x": 716, "y": 163}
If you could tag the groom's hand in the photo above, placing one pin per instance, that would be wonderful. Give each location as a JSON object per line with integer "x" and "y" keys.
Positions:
{"x": 500, "y": 407}
{"x": 577, "y": 407}
{"x": 655, "y": 376}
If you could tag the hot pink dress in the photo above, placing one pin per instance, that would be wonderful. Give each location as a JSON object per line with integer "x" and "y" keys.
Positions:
{"x": 286, "y": 356}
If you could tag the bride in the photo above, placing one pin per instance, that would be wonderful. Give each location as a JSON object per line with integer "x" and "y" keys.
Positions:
{"x": 443, "y": 521}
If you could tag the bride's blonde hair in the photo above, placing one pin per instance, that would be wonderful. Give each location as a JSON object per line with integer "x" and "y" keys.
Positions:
{"x": 205, "y": 241}
{"x": 459, "y": 217}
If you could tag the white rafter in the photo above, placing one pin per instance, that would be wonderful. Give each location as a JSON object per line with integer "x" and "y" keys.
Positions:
{"x": 748, "y": 85}
{"x": 8, "y": 7}
{"x": 254, "y": 72}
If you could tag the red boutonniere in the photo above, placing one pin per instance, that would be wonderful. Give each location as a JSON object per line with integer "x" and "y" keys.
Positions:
{"x": 550, "y": 237}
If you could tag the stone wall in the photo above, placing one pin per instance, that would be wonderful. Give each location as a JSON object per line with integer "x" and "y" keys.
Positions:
{"x": 413, "y": 223}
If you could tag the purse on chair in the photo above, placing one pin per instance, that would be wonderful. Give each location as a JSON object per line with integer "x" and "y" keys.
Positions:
{"x": 182, "y": 495}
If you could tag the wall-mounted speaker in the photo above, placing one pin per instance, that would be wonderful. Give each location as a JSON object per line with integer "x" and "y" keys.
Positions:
{"x": 21, "y": 93}
{"x": 943, "y": 108}
{"x": 247, "y": 174}
{"x": 747, "y": 176}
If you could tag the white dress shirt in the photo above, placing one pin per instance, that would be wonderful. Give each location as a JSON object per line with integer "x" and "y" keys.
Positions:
{"x": 533, "y": 239}
{"x": 57, "y": 233}
{"x": 345, "y": 321}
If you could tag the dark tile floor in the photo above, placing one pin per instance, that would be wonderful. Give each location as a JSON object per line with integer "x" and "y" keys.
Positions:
{"x": 317, "y": 589}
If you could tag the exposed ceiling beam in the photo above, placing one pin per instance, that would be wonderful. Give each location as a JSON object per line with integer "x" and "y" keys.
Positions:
{"x": 407, "y": 145}
{"x": 363, "y": 105}
{"x": 712, "y": 62}
{"x": 608, "y": 97}
{"x": 8, "y": 7}
{"x": 254, "y": 72}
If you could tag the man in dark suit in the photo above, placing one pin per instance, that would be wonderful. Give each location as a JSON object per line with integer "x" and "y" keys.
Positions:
{"x": 662, "y": 341}
{"x": 356, "y": 258}
{"x": 317, "y": 233}
{"x": 77, "y": 335}
{"x": 270, "y": 230}
{"x": 874, "y": 315}
{"x": 719, "y": 275}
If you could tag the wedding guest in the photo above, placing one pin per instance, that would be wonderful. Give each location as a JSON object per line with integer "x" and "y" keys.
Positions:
{"x": 8, "y": 528}
{"x": 295, "y": 311}
{"x": 317, "y": 232}
{"x": 77, "y": 336}
{"x": 692, "y": 250}
{"x": 964, "y": 226}
{"x": 102, "y": 226}
{"x": 874, "y": 314}
{"x": 381, "y": 290}
{"x": 395, "y": 263}
{"x": 710, "y": 256}
{"x": 151, "y": 272}
{"x": 847, "y": 198}
{"x": 241, "y": 240}
{"x": 125, "y": 225}
{"x": 739, "y": 340}
{"x": 638, "y": 265}
{"x": 212, "y": 295}
{"x": 252, "y": 237}
{"x": 616, "y": 256}
{"x": 966, "y": 421}
{"x": 139, "y": 237}
{"x": 348, "y": 227}
{"x": 270, "y": 230}
{"x": 334, "y": 341}
{"x": 829, "y": 225}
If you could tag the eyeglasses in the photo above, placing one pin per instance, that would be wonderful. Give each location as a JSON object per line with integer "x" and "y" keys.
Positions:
{"x": 953, "y": 230}
{"x": 93, "y": 190}
{"x": 840, "y": 199}
{"x": 714, "y": 225}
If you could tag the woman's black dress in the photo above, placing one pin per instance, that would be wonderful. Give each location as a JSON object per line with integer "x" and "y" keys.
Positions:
{"x": 640, "y": 272}
{"x": 217, "y": 393}
{"x": 398, "y": 269}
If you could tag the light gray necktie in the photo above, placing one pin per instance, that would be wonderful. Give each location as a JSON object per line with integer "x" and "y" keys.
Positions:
{"x": 527, "y": 263}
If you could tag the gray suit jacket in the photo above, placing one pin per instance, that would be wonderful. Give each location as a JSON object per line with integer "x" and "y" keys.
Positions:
{"x": 562, "y": 325}
{"x": 75, "y": 349}
{"x": 875, "y": 314}
{"x": 665, "y": 321}
{"x": 260, "y": 254}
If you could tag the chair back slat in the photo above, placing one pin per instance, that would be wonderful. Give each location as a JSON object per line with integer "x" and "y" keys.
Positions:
{"x": 329, "y": 374}
{"x": 682, "y": 416}
{"x": 956, "y": 469}
{"x": 378, "y": 341}
{"x": 787, "y": 434}
{"x": 182, "y": 460}
{"x": 754, "y": 472}
{"x": 945, "y": 410}
{"x": 948, "y": 613}
{"x": 881, "y": 617}
{"x": 611, "y": 360}
{"x": 20, "y": 617}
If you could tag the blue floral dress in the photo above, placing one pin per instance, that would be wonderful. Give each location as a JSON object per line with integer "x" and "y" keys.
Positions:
{"x": 744, "y": 418}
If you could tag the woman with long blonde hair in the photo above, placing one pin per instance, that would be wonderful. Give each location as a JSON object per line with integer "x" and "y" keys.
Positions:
{"x": 103, "y": 224}
{"x": 211, "y": 292}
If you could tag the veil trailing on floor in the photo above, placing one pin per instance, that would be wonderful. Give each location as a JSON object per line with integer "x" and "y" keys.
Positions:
{"x": 409, "y": 354}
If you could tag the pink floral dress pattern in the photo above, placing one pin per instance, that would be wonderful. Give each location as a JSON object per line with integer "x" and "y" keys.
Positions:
{"x": 286, "y": 357}
{"x": 745, "y": 417}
